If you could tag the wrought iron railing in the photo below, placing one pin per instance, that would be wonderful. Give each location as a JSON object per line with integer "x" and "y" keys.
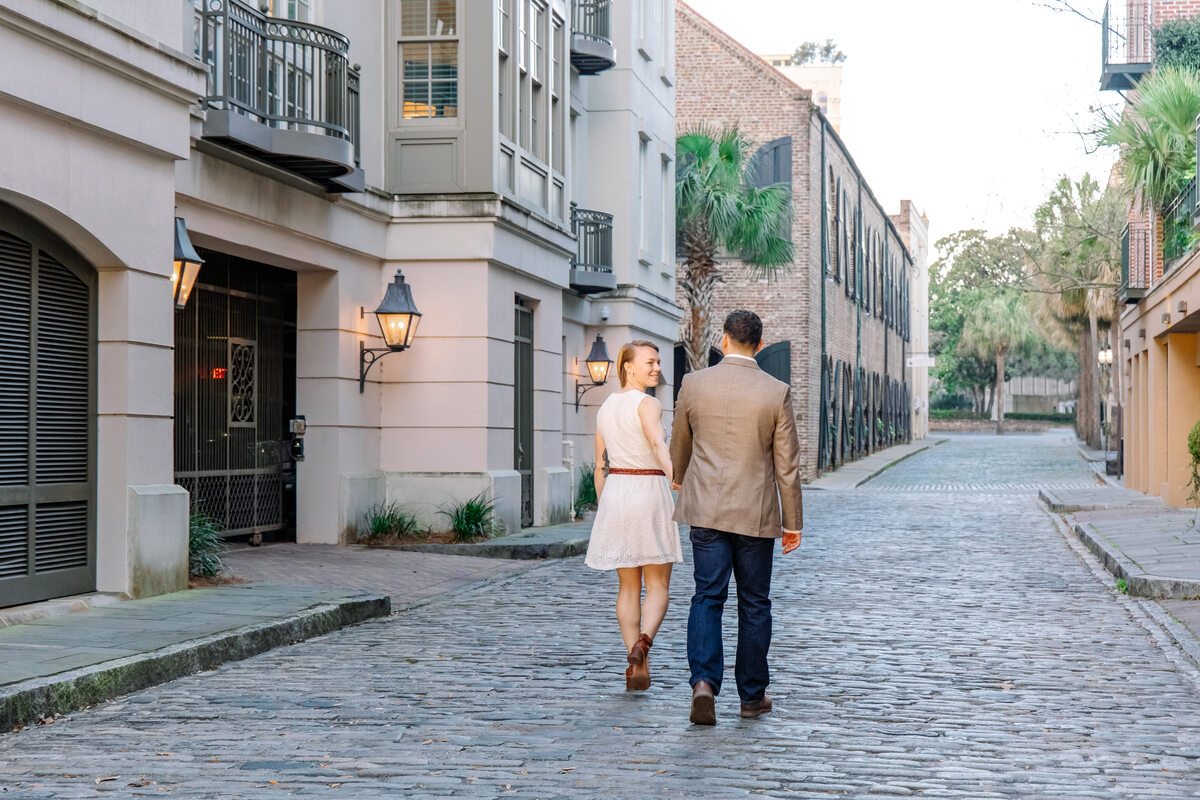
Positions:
{"x": 279, "y": 72}
{"x": 1126, "y": 34}
{"x": 593, "y": 20}
{"x": 594, "y": 241}
{"x": 1179, "y": 236}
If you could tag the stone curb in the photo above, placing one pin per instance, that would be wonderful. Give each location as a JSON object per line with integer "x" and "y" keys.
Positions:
{"x": 1058, "y": 506}
{"x": 34, "y": 699}
{"x": 517, "y": 551}
{"x": 1137, "y": 582}
{"x": 930, "y": 443}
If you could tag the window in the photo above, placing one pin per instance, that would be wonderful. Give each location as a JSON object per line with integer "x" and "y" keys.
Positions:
{"x": 668, "y": 204}
{"x": 831, "y": 192}
{"x": 299, "y": 10}
{"x": 823, "y": 102}
{"x": 504, "y": 89}
{"x": 557, "y": 84}
{"x": 538, "y": 106}
{"x": 428, "y": 58}
{"x": 643, "y": 149}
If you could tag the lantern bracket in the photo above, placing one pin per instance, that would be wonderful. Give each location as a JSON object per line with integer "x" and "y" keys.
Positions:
{"x": 367, "y": 356}
{"x": 580, "y": 391}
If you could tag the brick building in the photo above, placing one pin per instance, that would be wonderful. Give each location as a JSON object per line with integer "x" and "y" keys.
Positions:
{"x": 843, "y": 311}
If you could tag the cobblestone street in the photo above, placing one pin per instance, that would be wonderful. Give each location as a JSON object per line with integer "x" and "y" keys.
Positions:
{"x": 935, "y": 636}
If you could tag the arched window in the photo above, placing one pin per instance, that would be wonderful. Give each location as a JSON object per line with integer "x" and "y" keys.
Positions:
{"x": 823, "y": 102}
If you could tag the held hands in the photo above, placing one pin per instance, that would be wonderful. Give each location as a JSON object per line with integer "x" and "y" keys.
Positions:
{"x": 791, "y": 540}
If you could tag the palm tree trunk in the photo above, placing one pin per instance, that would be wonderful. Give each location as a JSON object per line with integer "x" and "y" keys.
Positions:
{"x": 1000, "y": 390}
{"x": 1083, "y": 409}
{"x": 698, "y": 288}
{"x": 1093, "y": 432}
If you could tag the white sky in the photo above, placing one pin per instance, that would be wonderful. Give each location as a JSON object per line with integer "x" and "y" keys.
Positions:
{"x": 967, "y": 107}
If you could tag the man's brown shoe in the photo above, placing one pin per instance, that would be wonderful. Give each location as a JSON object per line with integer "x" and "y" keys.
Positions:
{"x": 704, "y": 705}
{"x": 756, "y": 708}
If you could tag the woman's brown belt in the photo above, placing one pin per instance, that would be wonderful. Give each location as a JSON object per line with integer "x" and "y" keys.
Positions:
{"x": 619, "y": 471}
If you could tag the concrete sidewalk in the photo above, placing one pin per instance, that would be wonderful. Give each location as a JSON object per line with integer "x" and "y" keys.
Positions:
{"x": 60, "y": 663}
{"x": 62, "y": 655}
{"x": 1153, "y": 547}
{"x": 856, "y": 473}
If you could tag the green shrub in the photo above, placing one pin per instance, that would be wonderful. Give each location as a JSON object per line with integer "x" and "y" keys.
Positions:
{"x": 1177, "y": 43}
{"x": 585, "y": 495}
{"x": 205, "y": 546}
{"x": 472, "y": 518}
{"x": 1051, "y": 417}
{"x": 385, "y": 523}
{"x": 950, "y": 402}
{"x": 953, "y": 413}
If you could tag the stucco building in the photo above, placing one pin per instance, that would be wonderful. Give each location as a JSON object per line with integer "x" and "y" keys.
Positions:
{"x": 839, "y": 323}
{"x": 516, "y": 165}
{"x": 1155, "y": 350}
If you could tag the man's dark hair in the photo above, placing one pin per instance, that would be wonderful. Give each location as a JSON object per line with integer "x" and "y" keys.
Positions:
{"x": 744, "y": 327}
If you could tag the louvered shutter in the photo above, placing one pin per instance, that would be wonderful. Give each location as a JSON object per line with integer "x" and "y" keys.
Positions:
{"x": 47, "y": 322}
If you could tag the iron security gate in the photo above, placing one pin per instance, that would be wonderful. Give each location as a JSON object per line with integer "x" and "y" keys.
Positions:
{"x": 523, "y": 407}
{"x": 235, "y": 390}
{"x": 47, "y": 415}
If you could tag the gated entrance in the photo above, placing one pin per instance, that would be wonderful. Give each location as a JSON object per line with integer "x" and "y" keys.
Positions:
{"x": 235, "y": 390}
{"x": 47, "y": 415}
{"x": 523, "y": 407}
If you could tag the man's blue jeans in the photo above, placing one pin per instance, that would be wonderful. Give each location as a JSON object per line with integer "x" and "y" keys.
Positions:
{"x": 716, "y": 554}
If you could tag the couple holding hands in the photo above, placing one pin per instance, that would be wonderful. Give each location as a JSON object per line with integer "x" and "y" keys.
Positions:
{"x": 734, "y": 458}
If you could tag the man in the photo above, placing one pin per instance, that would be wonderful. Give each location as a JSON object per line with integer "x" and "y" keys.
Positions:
{"x": 736, "y": 463}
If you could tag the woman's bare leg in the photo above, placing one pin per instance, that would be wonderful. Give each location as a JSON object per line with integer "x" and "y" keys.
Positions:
{"x": 658, "y": 586}
{"x": 629, "y": 604}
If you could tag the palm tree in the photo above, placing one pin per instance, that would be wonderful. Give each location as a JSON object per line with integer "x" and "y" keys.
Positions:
{"x": 1156, "y": 134}
{"x": 717, "y": 211}
{"x": 999, "y": 323}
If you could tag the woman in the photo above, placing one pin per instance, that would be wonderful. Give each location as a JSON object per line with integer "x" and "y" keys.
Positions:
{"x": 633, "y": 532}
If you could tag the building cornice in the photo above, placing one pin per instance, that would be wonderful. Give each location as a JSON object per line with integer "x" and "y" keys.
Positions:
{"x": 158, "y": 63}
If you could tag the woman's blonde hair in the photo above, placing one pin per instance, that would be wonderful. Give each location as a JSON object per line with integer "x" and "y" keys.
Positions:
{"x": 629, "y": 353}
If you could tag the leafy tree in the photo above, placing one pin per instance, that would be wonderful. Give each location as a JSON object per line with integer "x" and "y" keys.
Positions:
{"x": 1156, "y": 134}
{"x": 810, "y": 52}
{"x": 1073, "y": 268}
{"x": 717, "y": 211}
{"x": 1000, "y": 322}
{"x": 971, "y": 266}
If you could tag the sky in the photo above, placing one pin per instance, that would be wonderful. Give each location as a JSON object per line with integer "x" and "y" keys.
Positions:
{"x": 969, "y": 108}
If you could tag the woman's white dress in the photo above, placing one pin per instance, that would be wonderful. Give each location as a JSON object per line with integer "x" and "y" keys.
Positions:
{"x": 633, "y": 524}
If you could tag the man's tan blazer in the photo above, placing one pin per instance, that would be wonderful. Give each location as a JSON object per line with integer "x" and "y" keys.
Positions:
{"x": 733, "y": 441}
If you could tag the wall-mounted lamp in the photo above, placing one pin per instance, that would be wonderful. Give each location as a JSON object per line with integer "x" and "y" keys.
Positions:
{"x": 1166, "y": 318}
{"x": 1126, "y": 344}
{"x": 598, "y": 364}
{"x": 1181, "y": 307}
{"x": 1104, "y": 357}
{"x": 398, "y": 318}
{"x": 187, "y": 265}
{"x": 1141, "y": 333}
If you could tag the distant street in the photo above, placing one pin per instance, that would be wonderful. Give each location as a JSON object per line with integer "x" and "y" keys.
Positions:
{"x": 934, "y": 636}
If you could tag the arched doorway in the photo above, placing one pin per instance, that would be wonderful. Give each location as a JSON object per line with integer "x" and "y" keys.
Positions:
{"x": 47, "y": 415}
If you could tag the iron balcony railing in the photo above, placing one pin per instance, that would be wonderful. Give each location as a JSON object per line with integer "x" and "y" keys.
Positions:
{"x": 593, "y": 20}
{"x": 279, "y": 72}
{"x": 594, "y": 241}
{"x": 1179, "y": 236}
{"x": 1127, "y": 43}
{"x": 592, "y": 46}
{"x": 1135, "y": 262}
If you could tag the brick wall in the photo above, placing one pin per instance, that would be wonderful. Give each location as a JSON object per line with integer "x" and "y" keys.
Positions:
{"x": 720, "y": 82}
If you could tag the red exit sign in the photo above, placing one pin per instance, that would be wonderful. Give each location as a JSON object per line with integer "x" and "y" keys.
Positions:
{"x": 218, "y": 373}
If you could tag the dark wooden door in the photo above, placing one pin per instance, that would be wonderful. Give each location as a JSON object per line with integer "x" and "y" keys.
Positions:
{"x": 523, "y": 407}
{"x": 47, "y": 415}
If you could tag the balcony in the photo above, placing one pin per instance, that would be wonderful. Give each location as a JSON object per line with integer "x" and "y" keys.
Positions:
{"x": 592, "y": 49}
{"x": 1179, "y": 226}
{"x": 1135, "y": 263}
{"x": 1127, "y": 45}
{"x": 281, "y": 92}
{"x": 592, "y": 266}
